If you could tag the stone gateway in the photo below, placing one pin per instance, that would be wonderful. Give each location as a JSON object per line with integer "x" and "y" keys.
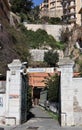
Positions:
{"x": 71, "y": 95}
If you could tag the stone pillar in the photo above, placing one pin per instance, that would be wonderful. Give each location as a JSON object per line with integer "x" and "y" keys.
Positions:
{"x": 66, "y": 92}
{"x": 13, "y": 93}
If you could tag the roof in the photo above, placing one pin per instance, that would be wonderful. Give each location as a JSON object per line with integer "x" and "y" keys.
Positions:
{"x": 38, "y": 79}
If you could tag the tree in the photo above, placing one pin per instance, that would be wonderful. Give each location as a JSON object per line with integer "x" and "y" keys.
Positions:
{"x": 21, "y": 6}
{"x": 52, "y": 84}
{"x": 35, "y": 14}
{"x": 51, "y": 58}
{"x": 45, "y": 19}
{"x": 64, "y": 35}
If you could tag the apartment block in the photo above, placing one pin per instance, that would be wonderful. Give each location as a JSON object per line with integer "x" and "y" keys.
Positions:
{"x": 51, "y": 8}
{"x": 80, "y": 12}
{"x": 71, "y": 11}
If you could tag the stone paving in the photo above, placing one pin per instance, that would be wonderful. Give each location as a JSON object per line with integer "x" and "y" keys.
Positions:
{"x": 42, "y": 121}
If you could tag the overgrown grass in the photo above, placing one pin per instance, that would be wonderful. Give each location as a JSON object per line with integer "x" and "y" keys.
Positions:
{"x": 53, "y": 115}
{"x": 40, "y": 38}
{"x": 60, "y": 45}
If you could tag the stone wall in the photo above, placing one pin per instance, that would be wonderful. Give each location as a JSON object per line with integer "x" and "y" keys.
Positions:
{"x": 71, "y": 95}
{"x": 66, "y": 90}
{"x": 77, "y": 100}
{"x": 38, "y": 54}
{"x": 54, "y": 30}
{"x": 15, "y": 108}
{"x": 2, "y": 101}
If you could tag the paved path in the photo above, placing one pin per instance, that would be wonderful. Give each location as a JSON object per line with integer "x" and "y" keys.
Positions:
{"x": 42, "y": 121}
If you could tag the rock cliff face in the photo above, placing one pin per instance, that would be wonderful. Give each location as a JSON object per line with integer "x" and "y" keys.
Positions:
{"x": 4, "y": 10}
{"x": 74, "y": 52}
{"x": 13, "y": 45}
{"x": 7, "y": 47}
{"x": 7, "y": 50}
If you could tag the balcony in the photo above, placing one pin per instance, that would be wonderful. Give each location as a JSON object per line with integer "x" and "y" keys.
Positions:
{"x": 52, "y": 6}
{"x": 71, "y": 0}
{"x": 71, "y": 6}
{"x": 65, "y": 0}
{"x": 52, "y": 1}
{"x": 59, "y": 1}
{"x": 43, "y": 6}
{"x": 71, "y": 12}
{"x": 72, "y": 20}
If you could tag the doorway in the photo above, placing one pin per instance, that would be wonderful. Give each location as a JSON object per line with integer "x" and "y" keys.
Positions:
{"x": 36, "y": 95}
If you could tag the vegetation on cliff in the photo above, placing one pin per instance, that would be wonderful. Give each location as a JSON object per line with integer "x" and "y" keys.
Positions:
{"x": 51, "y": 58}
{"x": 13, "y": 45}
{"x": 70, "y": 38}
{"x": 40, "y": 38}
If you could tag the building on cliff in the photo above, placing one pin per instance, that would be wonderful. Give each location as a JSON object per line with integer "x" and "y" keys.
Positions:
{"x": 51, "y": 8}
{"x": 71, "y": 11}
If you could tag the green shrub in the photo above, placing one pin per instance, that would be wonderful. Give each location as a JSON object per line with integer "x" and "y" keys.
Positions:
{"x": 56, "y": 20}
{"x": 53, "y": 84}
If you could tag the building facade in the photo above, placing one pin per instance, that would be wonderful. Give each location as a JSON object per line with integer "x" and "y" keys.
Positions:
{"x": 71, "y": 11}
{"x": 51, "y": 8}
{"x": 80, "y": 12}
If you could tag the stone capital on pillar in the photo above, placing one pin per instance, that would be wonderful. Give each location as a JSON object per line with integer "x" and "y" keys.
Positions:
{"x": 15, "y": 65}
{"x": 66, "y": 63}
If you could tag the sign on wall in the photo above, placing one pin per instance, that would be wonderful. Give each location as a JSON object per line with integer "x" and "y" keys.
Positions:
{"x": 46, "y": 70}
{"x": 15, "y": 96}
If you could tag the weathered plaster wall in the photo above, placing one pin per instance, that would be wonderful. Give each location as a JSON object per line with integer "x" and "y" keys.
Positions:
{"x": 16, "y": 108}
{"x": 71, "y": 95}
{"x": 38, "y": 54}
{"x": 2, "y": 108}
{"x": 66, "y": 90}
{"x": 77, "y": 101}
